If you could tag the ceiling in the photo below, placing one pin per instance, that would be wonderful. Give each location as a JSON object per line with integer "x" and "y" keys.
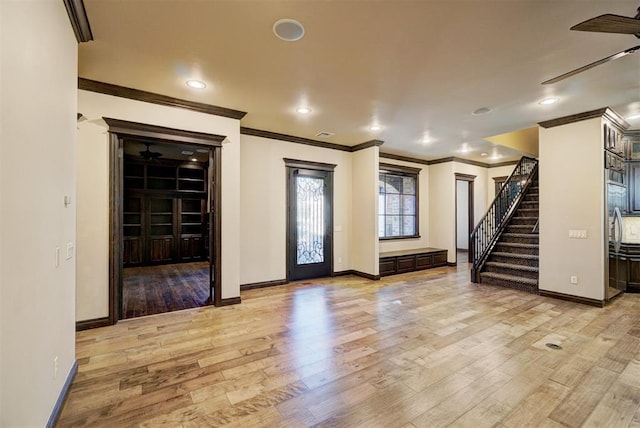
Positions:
{"x": 417, "y": 68}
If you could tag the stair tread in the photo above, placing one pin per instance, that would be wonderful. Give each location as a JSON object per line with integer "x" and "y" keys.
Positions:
{"x": 516, "y": 255}
{"x": 511, "y": 278}
{"x": 512, "y": 266}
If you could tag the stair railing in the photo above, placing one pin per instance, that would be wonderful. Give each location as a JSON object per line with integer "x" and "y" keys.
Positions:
{"x": 490, "y": 227}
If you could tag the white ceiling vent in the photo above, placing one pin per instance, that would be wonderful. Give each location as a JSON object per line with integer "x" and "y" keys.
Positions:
{"x": 288, "y": 30}
{"x": 325, "y": 134}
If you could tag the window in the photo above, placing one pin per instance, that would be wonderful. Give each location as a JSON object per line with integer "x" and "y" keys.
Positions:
{"x": 397, "y": 202}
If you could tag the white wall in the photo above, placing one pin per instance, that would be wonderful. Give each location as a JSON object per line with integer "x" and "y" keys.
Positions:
{"x": 37, "y": 169}
{"x": 263, "y": 206}
{"x": 442, "y": 224}
{"x": 423, "y": 211}
{"x": 365, "y": 253}
{"x": 442, "y": 202}
{"x": 572, "y": 197}
{"x": 93, "y": 227}
{"x": 462, "y": 214}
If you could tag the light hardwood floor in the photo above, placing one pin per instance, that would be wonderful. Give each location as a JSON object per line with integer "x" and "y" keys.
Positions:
{"x": 425, "y": 349}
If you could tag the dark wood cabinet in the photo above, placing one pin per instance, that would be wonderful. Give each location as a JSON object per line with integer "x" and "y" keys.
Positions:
{"x": 624, "y": 270}
{"x": 164, "y": 212}
{"x": 411, "y": 260}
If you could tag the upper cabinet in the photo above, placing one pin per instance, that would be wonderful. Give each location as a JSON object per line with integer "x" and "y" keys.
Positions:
{"x": 614, "y": 140}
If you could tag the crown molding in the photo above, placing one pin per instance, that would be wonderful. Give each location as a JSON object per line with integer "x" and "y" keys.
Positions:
{"x": 79, "y": 20}
{"x": 604, "y": 112}
{"x": 153, "y": 98}
{"x": 366, "y": 145}
{"x": 292, "y": 139}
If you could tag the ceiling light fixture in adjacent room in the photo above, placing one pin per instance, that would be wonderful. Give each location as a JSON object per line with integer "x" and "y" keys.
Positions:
{"x": 480, "y": 111}
{"x": 288, "y": 30}
{"x": 196, "y": 84}
{"x": 548, "y": 101}
{"x": 194, "y": 160}
{"x": 303, "y": 110}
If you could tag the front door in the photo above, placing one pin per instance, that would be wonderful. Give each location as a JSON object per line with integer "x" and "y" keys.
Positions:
{"x": 310, "y": 224}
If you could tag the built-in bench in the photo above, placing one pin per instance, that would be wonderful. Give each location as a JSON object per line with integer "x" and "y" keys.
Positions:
{"x": 393, "y": 262}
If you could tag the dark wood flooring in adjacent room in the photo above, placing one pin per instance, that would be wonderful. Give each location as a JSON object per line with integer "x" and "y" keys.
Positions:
{"x": 152, "y": 290}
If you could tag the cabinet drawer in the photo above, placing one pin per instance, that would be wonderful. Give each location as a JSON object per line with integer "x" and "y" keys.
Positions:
{"x": 406, "y": 264}
{"x": 424, "y": 261}
{"x": 440, "y": 259}
{"x": 387, "y": 266}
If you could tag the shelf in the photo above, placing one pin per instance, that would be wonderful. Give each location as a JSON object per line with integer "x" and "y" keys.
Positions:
{"x": 162, "y": 213}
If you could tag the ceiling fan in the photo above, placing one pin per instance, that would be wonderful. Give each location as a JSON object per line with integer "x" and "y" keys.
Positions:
{"x": 148, "y": 154}
{"x": 605, "y": 24}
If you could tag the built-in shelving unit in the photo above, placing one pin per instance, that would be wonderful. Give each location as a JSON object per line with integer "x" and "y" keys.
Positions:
{"x": 164, "y": 215}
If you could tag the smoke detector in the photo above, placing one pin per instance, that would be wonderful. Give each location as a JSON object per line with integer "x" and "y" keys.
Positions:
{"x": 288, "y": 30}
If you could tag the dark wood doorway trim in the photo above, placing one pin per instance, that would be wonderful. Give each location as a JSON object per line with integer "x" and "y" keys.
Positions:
{"x": 318, "y": 166}
{"x": 470, "y": 179}
{"x": 118, "y": 130}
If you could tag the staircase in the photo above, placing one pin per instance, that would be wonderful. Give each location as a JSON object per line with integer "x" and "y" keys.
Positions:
{"x": 505, "y": 241}
{"x": 513, "y": 262}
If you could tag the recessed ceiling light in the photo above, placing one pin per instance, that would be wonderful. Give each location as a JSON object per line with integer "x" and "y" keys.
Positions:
{"x": 548, "y": 101}
{"x": 303, "y": 110}
{"x": 375, "y": 127}
{"x": 202, "y": 150}
{"x": 484, "y": 154}
{"x": 196, "y": 84}
{"x": 194, "y": 160}
{"x": 187, "y": 152}
{"x": 634, "y": 117}
{"x": 480, "y": 111}
{"x": 288, "y": 30}
{"x": 426, "y": 140}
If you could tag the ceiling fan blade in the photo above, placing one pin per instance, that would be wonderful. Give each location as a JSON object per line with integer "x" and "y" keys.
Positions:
{"x": 610, "y": 24}
{"x": 593, "y": 64}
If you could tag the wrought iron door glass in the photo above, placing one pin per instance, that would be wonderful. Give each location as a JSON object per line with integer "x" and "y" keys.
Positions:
{"x": 310, "y": 220}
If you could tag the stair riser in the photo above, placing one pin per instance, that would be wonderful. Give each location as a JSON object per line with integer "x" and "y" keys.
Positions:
{"x": 513, "y": 260}
{"x": 529, "y": 204}
{"x": 524, "y": 221}
{"x": 530, "y": 213}
{"x": 531, "y": 239}
{"x": 508, "y": 284}
{"x": 508, "y": 271}
{"x": 504, "y": 249}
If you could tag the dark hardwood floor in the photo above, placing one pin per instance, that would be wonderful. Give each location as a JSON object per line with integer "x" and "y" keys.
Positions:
{"x": 152, "y": 290}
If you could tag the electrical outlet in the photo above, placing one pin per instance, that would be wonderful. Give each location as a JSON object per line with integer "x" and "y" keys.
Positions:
{"x": 574, "y": 279}
{"x": 55, "y": 367}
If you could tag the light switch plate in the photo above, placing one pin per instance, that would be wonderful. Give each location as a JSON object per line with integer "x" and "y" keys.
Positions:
{"x": 69, "y": 250}
{"x": 578, "y": 233}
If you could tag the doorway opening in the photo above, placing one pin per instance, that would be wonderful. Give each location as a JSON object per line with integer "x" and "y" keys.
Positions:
{"x": 309, "y": 219}
{"x": 464, "y": 215}
{"x": 165, "y": 222}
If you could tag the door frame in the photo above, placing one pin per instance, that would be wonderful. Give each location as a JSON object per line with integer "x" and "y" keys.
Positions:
{"x": 317, "y": 166}
{"x": 118, "y": 130}
{"x": 471, "y": 222}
